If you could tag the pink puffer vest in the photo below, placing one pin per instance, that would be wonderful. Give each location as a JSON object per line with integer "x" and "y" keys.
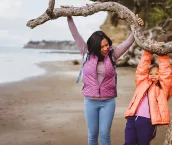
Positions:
{"x": 91, "y": 86}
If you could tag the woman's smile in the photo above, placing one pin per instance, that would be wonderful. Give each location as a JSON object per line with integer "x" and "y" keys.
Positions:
{"x": 104, "y": 47}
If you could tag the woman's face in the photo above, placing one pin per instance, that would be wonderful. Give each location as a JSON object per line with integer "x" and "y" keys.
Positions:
{"x": 154, "y": 73}
{"x": 104, "y": 47}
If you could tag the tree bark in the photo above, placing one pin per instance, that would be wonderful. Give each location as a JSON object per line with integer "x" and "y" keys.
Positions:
{"x": 50, "y": 9}
{"x": 122, "y": 12}
{"x": 133, "y": 55}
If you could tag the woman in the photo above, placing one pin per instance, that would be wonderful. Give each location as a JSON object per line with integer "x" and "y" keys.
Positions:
{"x": 99, "y": 77}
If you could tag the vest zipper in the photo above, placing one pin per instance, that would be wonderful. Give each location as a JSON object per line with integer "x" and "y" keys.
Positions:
{"x": 103, "y": 78}
{"x": 97, "y": 79}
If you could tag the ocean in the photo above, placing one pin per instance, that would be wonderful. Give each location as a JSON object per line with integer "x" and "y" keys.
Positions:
{"x": 18, "y": 63}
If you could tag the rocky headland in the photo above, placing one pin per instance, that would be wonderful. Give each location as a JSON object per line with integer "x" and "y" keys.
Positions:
{"x": 59, "y": 45}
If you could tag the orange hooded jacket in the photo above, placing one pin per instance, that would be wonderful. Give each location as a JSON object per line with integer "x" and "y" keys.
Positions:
{"x": 157, "y": 97}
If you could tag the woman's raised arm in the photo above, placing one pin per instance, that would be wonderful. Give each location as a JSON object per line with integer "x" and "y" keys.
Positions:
{"x": 123, "y": 47}
{"x": 80, "y": 43}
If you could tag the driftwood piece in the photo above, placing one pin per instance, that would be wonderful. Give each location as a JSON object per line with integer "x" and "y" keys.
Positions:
{"x": 133, "y": 55}
{"x": 122, "y": 12}
{"x": 50, "y": 9}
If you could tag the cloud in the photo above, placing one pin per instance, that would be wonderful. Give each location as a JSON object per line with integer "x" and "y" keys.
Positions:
{"x": 15, "y": 14}
{"x": 9, "y": 8}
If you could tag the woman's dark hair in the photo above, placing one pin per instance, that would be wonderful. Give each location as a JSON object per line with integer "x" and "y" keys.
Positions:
{"x": 150, "y": 68}
{"x": 94, "y": 44}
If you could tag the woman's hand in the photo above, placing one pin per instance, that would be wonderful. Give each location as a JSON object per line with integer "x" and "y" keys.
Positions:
{"x": 62, "y": 6}
{"x": 139, "y": 20}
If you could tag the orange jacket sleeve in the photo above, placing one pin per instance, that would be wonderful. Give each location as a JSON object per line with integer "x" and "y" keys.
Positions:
{"x": 142, "y": 70}
{"x": 165, "y": 76}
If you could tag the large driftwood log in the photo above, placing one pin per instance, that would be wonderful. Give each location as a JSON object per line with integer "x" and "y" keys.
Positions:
{"x": 133, "y": 55}
{"x": 122, "y": 12}
{"x": 50, "y": 9}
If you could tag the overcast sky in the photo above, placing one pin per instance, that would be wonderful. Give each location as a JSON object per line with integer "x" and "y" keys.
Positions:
{"x": 14, "y": 15}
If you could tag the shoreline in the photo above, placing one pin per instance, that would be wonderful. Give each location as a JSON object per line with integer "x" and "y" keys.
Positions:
{"x": 41, "y": 66}
{"x": 48, "y": 109}
{"x": 20, "y": 64}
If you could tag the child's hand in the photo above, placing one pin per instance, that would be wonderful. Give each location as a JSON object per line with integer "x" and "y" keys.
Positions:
{"x": 139, "y": 20}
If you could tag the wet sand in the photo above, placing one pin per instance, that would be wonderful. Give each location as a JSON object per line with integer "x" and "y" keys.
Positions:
{"x": 48, "y": 110}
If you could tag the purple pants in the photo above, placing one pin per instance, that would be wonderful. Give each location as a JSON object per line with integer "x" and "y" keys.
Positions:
{"x": 139, "y": 131}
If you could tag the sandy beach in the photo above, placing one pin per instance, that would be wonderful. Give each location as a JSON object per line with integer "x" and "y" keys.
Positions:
{"x": 48, "y": 110}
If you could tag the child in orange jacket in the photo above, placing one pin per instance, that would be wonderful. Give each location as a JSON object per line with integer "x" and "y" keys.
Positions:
{"x": 149, "y": 105}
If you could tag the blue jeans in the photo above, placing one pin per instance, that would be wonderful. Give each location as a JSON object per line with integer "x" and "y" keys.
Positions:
{"x": 99, "y": 116}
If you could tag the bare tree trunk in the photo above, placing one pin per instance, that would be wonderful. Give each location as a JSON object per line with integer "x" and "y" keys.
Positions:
{"x": 122, "y": 12}
{"x": 168, "y": 137}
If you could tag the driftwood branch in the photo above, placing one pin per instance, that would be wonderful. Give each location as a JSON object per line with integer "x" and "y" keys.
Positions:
{"x": 50, "y": 9}
{"x": 122, "y": 12}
